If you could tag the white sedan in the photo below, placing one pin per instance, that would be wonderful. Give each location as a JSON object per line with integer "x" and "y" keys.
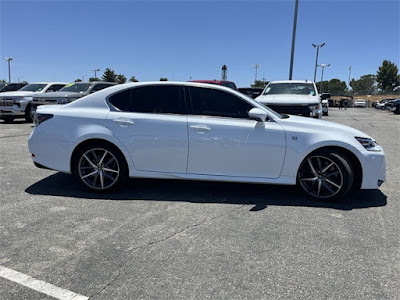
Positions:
{"x": 360, "y": 103}
{"x": 184, "y": 130}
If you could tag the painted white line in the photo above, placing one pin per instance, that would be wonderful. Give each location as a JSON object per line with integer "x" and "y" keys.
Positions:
{"x": 39, "y": 285}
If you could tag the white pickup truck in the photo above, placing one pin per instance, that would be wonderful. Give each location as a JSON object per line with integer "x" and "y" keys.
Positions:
{"x": 18, "y": 104}
{"x": 295, "y": 97}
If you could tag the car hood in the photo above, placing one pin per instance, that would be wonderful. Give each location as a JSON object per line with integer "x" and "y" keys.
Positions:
{"x": 61, "y": 95}
{"x": 283, "y": 99}
{"x": 297, "y": 123}
{"x": 19, "y": 93}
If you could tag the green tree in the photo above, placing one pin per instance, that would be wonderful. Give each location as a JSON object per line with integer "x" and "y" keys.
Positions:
{"x": 259, "y": 84}
{"x": 3, "y": 81}
{"x": 366, "y": 84}
{"x": 78, "y": 80}
{"x": 109, "y": 75}
{"x": 133, "y": 79}
{"x": 91, "y": 79}
{"x": 163, "y": 79}
{"x": 121, "y": 78}
{"x": 335, "y": 86}
{"x": 387, "y": 76}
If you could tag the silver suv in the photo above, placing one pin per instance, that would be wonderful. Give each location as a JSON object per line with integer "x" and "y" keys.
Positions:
{"x": 18, "y": 104}
{"x": 70, "y": 92}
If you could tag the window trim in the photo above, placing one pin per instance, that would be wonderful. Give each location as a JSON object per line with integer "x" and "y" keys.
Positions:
{"x": 182, "y": 100}
{"x": 190, "y": 111}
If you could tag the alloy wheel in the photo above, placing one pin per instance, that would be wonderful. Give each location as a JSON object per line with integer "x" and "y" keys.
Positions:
{"x": 98, "y": 169}
{"x": 320, "y": 177}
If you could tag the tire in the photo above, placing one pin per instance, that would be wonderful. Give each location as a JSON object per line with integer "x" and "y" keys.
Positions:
{"x": 29, "y": 114}
{"x": 8, "y": 120}
{"x": 100, "y": 167}
{"x": 325, "y": 175}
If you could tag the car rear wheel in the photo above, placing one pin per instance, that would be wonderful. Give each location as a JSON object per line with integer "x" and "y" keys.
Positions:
{"x": 8, "y": 120}
{"x": 101, "y": 167}
{"x": 325, "y": 175}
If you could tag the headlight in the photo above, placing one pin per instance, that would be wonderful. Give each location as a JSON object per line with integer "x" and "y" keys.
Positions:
{"x": 367, "y": 142}
{"x": 312, "y": 107}
{"x": 18, "y": 99}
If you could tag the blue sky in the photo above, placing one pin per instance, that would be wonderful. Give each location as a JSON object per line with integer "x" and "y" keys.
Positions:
{"x": 65, "y": 40}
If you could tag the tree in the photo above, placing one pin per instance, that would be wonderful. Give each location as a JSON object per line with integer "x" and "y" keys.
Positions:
{"x": 224, "y": 75}
{"x": 109, "y": 75}
{"x": 259, "y": 83}
{"x": 78, "y": 80}
{"x": 387, "y": 76}
{"x": 3, "y": 81}
{"x": 91, "y": 79}
{"x": 163, "y": 79}
{"x": 133, "y": 79}
{"x": 121, "y": 78}
{"x": 364, "y": 85}
{"x": 335, "y": 86}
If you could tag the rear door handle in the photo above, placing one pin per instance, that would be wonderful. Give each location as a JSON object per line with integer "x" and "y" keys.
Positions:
{"x": 200, "y": 128}
{"x": 124, "y": 122}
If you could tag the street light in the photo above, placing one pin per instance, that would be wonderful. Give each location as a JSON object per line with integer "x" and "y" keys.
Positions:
{"x": 256, "y": 67}
{"x": 9, "y": 72}
{"x": 316, "y": 59}
{"x": 349, "y": 77}
{"x": 322, "y": 75}
{"x": 95, "y": 70}
{"x": 293, "y": 39}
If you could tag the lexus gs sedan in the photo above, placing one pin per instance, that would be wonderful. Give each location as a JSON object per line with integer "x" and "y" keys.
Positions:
{"x": 197, "y": 131}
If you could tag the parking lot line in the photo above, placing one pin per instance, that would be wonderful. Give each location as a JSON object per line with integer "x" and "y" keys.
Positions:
{"x": 39, "y": 285}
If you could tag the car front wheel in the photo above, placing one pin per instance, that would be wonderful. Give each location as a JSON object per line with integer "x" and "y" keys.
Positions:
{"x": 100, "y": 168}
{"x": 325, "y": 175}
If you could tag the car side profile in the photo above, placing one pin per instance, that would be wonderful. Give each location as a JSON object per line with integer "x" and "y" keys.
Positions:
{"x": 184, "y": 130}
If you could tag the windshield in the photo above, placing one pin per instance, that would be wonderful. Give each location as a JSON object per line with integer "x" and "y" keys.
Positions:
{"x": 290, "y": 88}
{"x": 34, "y": 87}
{"x": 76, "y": 87}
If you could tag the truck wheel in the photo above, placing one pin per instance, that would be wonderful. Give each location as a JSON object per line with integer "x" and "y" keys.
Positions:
{"x": 8, "y": 120}
{"x": 29, "y": 113}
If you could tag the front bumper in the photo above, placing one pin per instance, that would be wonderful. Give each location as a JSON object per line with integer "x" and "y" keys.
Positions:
{"x": 11, "y": 111}
{"x": 374, "y": 169}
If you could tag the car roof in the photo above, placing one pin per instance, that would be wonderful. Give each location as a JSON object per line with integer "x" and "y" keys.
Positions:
{"x": 210, "y": 81}
{"x": 291, "y": 81}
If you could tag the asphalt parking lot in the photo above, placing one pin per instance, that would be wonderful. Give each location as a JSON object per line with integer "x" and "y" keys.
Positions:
{"x": 165, "y": 239}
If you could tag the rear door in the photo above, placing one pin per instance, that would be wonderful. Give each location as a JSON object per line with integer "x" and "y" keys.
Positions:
{"x": 150, "y": 122}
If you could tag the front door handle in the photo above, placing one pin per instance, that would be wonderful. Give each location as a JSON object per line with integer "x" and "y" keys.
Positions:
{"x": 124, "y": 122}
{"x": 200, "y": 128}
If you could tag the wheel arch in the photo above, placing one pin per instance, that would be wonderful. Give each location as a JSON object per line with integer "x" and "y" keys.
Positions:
{"x": 94, "y": 141}
{"x": 351, "y": 157}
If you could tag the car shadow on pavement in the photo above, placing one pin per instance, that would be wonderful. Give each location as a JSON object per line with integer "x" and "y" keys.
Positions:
{"x": 258, "y": 196}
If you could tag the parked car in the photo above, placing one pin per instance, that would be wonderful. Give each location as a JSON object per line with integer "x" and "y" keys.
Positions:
{"x": 295, "y": 97}
{"x": 12, "y": 86}
{"x": 185, "y": 130}
{"x": 229, "y": 84}
{"x": 70, "y": 92}
{"x": 395, "y": 106}
{"x": 251, "y": 91}
{"x": 18, "y": 104}
{"x": 388, "y": 104}
{"x": 360, "y": 103}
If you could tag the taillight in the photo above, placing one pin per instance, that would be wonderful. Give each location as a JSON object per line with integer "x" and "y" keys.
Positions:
{"x": 40, "y": 118}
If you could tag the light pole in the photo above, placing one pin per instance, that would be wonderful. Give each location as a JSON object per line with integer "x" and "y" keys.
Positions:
{"x": 293, "y": 39}
{"x": 316, "y": 59}
{"x": 9, "y": 72}
{"x": 256, "y": 67}
{"x": 349, "y": 77}
{"x": 322, "y": 76}
{"x": 95, "y": 70}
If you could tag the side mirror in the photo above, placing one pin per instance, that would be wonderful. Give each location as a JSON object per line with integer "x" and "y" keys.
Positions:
{"x": 325, "y": 95}
{"x": 258, "y": 114}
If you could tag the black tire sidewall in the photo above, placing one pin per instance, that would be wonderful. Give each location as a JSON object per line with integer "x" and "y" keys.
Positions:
{"x": 124, "y": 174}
{"x": 345, "y": 167}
